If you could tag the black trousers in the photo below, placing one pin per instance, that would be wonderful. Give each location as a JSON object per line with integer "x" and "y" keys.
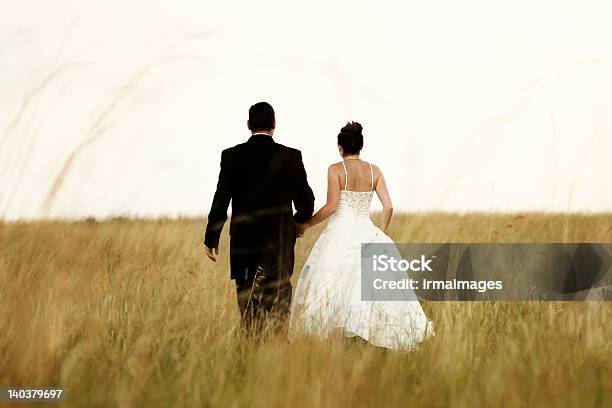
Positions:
{"x": 263, "y": 289}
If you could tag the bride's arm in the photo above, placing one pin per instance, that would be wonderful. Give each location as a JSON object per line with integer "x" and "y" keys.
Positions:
{"x": 385, "y": 199}
{"x": 333, "y": 196}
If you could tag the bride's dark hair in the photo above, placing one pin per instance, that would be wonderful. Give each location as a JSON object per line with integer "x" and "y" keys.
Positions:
{"x": 350, "y": 138}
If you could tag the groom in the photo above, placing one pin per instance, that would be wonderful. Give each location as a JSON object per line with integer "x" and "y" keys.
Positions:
{"x": 262, "y": 179}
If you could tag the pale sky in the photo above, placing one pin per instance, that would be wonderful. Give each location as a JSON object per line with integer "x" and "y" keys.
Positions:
{"x": 466, "y": 105}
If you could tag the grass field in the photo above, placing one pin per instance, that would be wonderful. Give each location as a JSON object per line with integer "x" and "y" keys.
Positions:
{"x": 130, "y": 313}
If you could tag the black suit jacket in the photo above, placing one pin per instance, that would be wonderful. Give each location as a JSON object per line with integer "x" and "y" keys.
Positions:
{"x": 262, "y": 179}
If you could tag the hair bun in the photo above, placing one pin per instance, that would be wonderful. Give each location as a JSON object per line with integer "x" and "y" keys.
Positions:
{"x": 350, "y": 138}
{"x": 353, "y": 128}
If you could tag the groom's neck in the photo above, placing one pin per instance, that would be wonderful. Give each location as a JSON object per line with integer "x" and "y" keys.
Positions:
{"x": 263, "y": 132}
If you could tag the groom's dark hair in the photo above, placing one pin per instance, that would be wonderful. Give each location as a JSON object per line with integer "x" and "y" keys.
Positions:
{"x": 261, "y": 117}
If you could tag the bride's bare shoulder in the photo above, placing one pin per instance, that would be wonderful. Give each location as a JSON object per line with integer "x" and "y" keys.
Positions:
{"x": 336, "y": 168}
{"x": 377, "y": 171}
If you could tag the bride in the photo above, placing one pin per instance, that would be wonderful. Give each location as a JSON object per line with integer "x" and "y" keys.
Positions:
{"x": 328, "y": 294}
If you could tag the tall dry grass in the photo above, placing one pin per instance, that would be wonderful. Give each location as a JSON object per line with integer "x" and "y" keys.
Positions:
{"x": 129, "y": 313}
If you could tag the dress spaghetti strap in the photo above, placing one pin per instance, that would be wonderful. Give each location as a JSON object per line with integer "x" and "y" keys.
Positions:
{"x": 372, "y": 174}
{"x": 345, "y": 175}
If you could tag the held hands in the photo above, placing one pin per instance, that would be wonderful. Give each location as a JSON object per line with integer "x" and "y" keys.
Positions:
{"x": 212, "y": 253}
{"x": 300, "y": 229}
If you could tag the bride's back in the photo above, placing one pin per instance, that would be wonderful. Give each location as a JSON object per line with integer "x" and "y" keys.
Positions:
{"x": 359, "y": 176}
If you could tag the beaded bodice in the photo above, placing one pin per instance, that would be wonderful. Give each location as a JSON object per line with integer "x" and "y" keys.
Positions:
{"x": 356, "y": 202}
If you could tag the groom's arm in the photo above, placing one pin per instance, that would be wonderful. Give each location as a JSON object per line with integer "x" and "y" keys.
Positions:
{"x": 218, "y": 210}
{"x": 303, "y": 198}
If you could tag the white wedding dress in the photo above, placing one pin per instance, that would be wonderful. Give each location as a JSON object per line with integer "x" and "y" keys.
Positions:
{"x": 328, "y": 293}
